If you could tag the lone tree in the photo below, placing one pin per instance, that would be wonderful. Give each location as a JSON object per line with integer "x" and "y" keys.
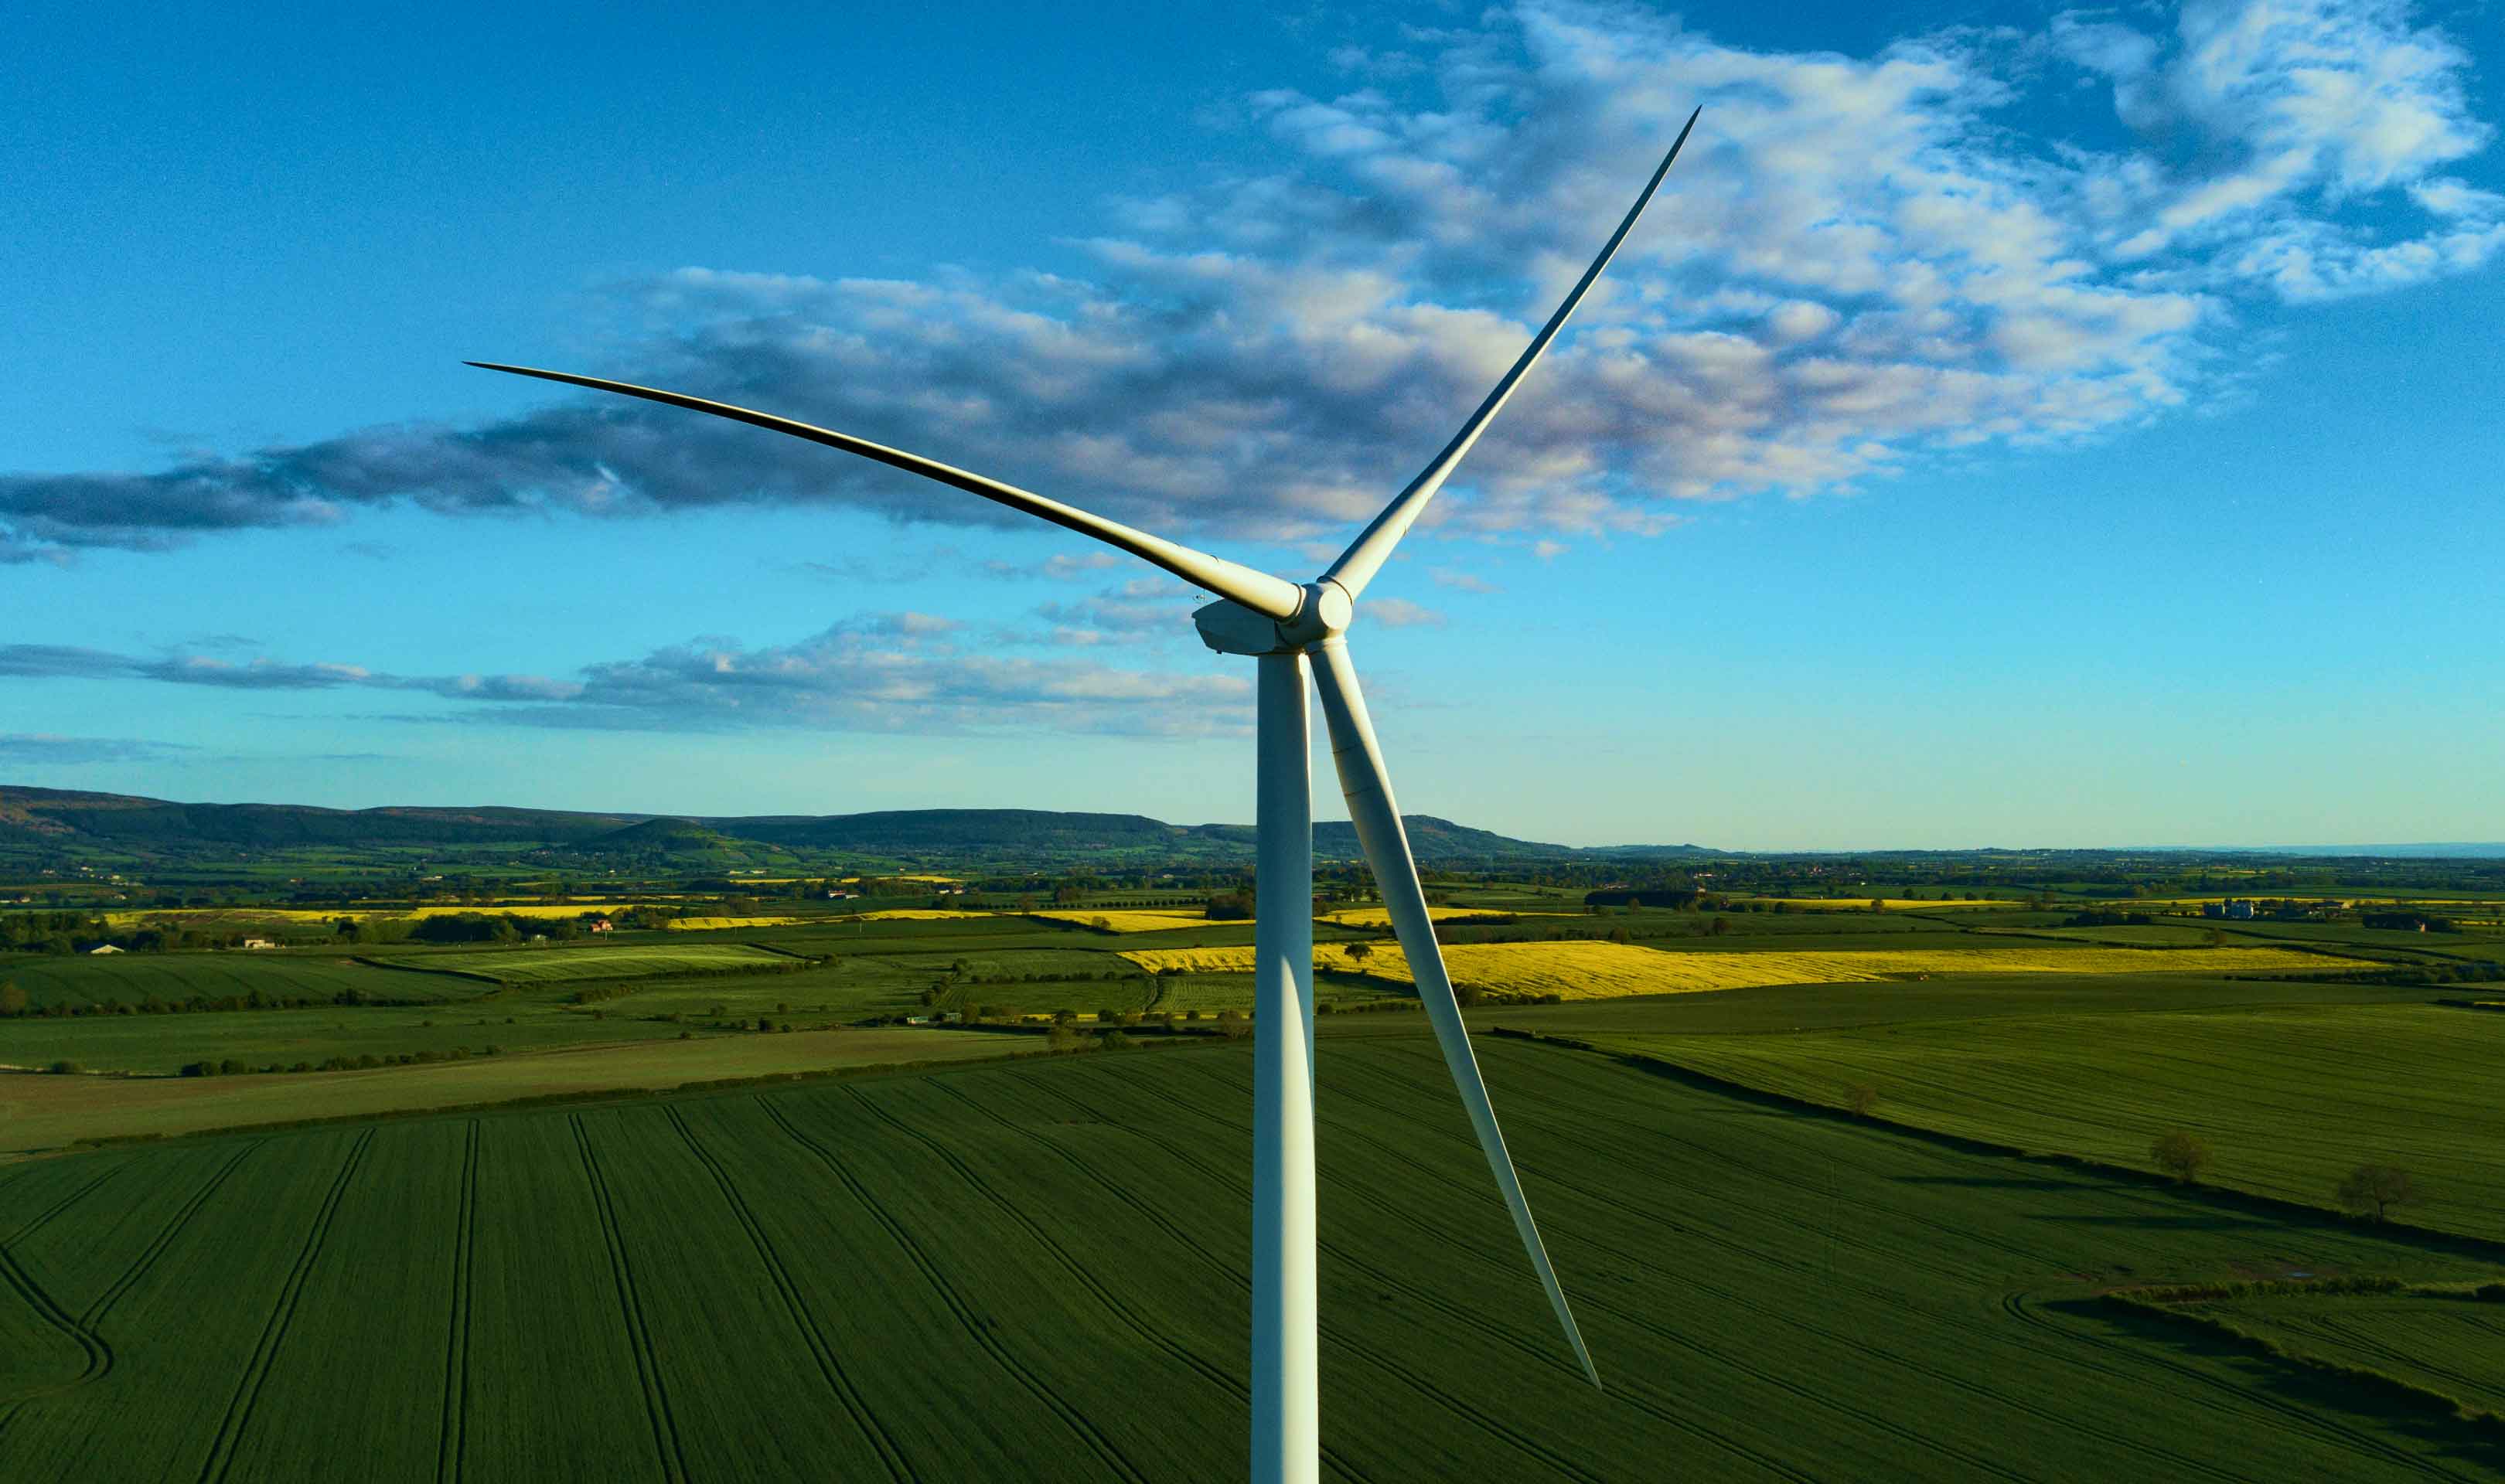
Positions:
{"x": 2378, "y": 1185}
{"x": 12, "y": 1000}
{"x": 1359, "y": 952}
{"x": 1862, "y": 1098}
{"x": 2181, "y": 1154}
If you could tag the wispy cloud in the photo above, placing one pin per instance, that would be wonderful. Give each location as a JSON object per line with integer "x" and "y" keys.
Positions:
{"x": 46, "y": 748}
{"x": 1400, "y": 614}
{"x": 1863, "y": 261}
{"x": 900, "y": 671}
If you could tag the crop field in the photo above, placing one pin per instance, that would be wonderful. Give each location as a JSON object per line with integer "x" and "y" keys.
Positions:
{"x": 1122, "y": 920}
{"x": 44, "y": 1113}
{"x": 723, "y": 924}
{"x": 1891, "y": 904}
{"x": 2452, "y": 1345}
{"x": 1585, "y": 970}
{"x": 1037, "y": 1271}
{"x": 135, "y": 979}
{"x": 2290, "y": 1097}
{"x": 162, "y": 1045}
{"x": 554, "y": 965}
{"x": 246, "y": 917}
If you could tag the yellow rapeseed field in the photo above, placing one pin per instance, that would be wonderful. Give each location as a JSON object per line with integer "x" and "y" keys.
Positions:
{"x": 1591, "y": 971}
{"x": 1129, "y": 919}
{"x": 1376, "y": 916}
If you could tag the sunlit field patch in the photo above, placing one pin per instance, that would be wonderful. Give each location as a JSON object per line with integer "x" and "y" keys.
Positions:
{"x": 717, "y": 924}
{"x": 1129, "y": 919}
{"x": 1592, "y": 971}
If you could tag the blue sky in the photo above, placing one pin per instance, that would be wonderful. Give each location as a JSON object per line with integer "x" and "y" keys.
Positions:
{"x": 2040, "y": 427}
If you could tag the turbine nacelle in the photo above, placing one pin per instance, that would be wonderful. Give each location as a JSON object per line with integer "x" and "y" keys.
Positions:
{"x": 1231, "y": 627}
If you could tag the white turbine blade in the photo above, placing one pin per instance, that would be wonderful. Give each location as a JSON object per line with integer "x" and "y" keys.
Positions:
{"x": 1370, "y": 808}
{"x": 1264, "y": 594}
{"x": 1357, "y": 565}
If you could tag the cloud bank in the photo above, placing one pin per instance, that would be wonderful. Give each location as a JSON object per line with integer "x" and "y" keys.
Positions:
{"x": 1862, "y": 262}
{"x": 880, "y": 673}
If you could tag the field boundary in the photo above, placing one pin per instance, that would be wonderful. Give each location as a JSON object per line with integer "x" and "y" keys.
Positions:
{"x": 2429, "y": 1238}
{"x": 587, "y": 1096}
{"x": 2362, "y": 1378}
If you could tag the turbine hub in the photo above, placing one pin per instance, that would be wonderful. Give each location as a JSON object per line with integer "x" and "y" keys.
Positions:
{"x": 1231, "y": 627}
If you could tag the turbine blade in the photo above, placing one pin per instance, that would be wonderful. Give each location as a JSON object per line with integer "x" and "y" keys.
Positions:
{"x": 1365, "y": 556}
{"x": 1273, "y": 597}
{"x": 1370, "y": 808}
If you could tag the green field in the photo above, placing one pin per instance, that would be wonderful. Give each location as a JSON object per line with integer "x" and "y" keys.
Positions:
{"x": 555, "y": 965}
{"x": 2453, "y": 1346}
{"x": 1037, "y": 1271}
{"x": 2291, "y": 1085}
{"x": 135, "y": 979}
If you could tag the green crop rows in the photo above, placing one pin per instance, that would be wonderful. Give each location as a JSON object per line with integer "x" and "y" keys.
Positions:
{"x": 551, "y": 965}
{"x": 135, "y": 979}
{"x": 1037, "y": 1271}
{"x": 2289, "y": 1097}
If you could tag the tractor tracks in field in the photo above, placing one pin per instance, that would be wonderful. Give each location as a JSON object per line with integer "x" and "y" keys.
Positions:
{"x": 2178, "y": 1464}
{"x": 856, "y": 1406}
{"x": 456, "y": 1343}
{"x": 1435, "y": 1301}
{"x": 2058, "y": 1418}
{"x": 977, "y": 1327}
{"x": 1233, "y": 1387}
{"x": 630, "y": 1303}
{"x": 2019, "y": 1307}
{"x": 273, "y": 1331}
{"x": 85, "y": 1326}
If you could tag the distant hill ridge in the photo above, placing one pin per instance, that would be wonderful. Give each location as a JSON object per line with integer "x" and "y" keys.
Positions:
{"x": 60, "y": 816}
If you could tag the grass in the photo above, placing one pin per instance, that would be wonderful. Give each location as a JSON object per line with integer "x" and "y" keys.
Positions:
{"x": 727, "y": 924}
{"x": 1037, "y": 1271}
{"x": 2452, "y": 1345}
{"x": 47, "y": 1113}
{"x": 1590, "y": 970}
{"x": 2289, "y": 1097}
{"x": 554, "y": 965}
{"x": 134, "y": 978}
{"x": 162, "y": 1045}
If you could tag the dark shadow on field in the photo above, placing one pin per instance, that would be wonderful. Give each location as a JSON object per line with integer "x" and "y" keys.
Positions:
{"x": 2480, "y": 1443}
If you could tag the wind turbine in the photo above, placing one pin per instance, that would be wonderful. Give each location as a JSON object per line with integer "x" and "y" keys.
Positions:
{"x": 1279, "y": 623}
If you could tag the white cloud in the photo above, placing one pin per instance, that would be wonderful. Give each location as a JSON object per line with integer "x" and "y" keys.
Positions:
{"x": 1400, "y": 613}
{"x": 1860, "y": 263}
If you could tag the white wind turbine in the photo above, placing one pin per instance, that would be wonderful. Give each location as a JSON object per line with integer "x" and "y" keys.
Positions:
{"x": 1279, "y": 623}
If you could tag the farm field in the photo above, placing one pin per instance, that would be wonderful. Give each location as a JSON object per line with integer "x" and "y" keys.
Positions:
{"x": 561, "y": 965}
{"x": 2456, "y": 1346}
{"x": 135, "y": 979}
{"x": 727, "y": 924}
{"x": 162, "y": 1045}
{"x": 2289, "y": 1097}
{"x": 1128, "y": 919}
{"x": 48, "y": 1113}
{"x": 1037, "y": 1271}
{"x": 1588, "y": 970}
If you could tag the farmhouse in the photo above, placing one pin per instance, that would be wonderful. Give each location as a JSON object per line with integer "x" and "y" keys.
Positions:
{"x": 600, "y": 925}
{"x": 259, "y": 943}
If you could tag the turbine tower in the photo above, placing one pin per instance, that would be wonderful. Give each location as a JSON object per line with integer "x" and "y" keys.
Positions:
{"x": 1281, "y": 625}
